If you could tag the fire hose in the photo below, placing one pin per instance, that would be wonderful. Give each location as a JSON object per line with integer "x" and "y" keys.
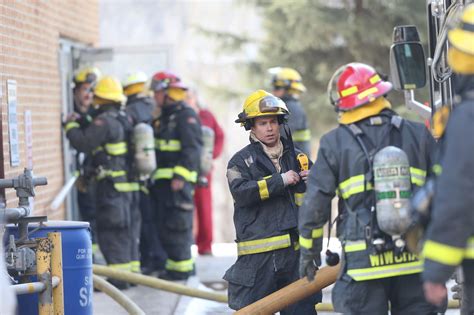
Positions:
{"x": 158, "y": 283}
{"x": 117, "y": 296}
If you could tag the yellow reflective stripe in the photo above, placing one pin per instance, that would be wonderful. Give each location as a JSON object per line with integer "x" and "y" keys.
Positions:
{"x": 367, "y": 92}
{"x": 71, "y": 125}
{"x": 296, "y": 245}
{"x": 442, "y": 253}
{"x": 418, "y": 176}
{"x": 299, "y": 197}
{"x": 98, "y": 149}
{"x": 374, "y": 79}
{"x": 317, "y": 233}
{"x": 263, "y": 245}
{"x": 437, "y": 169}
{"x": 353, "y": 185}
{"x": 163, "y": 173}
{"x": 188, "y": 175}
{"x": 469, "y": 253}
{"x": 306, "y": 242}
{"x": 118, "y": 148}
{"x": 349, "y": 91}
{"x": 125, "y": 267}
{"x": 263, "y": 189}
{"x": 355, "y": 246}
{"x": 302, "y": 135}
{"x": 180, "y": 266}
{"x": 385, "y": 271}
{"x": 135, "y": 266}
{"x": 108, "y": 173}
{"x": 126, "y": 187}
{"x": 171, "y": 145}
{"x": 144, "y": 189}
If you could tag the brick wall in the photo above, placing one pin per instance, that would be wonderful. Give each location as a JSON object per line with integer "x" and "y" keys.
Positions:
{"x": 29, "y": 40}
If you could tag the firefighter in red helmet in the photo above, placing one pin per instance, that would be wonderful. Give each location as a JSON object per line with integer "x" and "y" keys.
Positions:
{"x": 178, "y": 144}
{"x": 376, "y": 268}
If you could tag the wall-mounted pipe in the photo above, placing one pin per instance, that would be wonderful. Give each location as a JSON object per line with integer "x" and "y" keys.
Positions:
{"x": 32, "y": 287}
{"x": 10, "y": 215}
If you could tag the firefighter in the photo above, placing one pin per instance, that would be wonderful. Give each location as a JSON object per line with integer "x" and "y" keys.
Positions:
{"x": 178, "y": 149}
{"x": 105, "y": 141}
{"x": 373, "y": 271}
{"x": 263, "y": 178}
{"x": 139, "y": 108}
{"x": 84, "y": 81}
{"x": 450, "y": 234}
{"x": 287, "y": 85}
{"x": 139, "y": 105}
{"x": 203, "y": 193}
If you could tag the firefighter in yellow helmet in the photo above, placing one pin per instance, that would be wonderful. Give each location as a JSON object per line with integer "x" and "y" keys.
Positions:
{"x": 178, "y": 140}
{"x": 264, "y": 180}
{"x": 288, "y": 86}
{"x": 104, "y": 140}
{"x": 83, "y": 83}
{"x": 450, "y": 234}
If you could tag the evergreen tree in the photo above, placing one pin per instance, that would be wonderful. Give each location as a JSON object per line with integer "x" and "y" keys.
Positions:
{"x": 316, "y": 37}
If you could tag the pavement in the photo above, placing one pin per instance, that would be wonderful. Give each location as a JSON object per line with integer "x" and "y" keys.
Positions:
{"x": 209, "y": 270}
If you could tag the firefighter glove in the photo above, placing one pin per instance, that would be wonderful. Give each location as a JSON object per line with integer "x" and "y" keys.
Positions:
{"x": 309, "y": 263}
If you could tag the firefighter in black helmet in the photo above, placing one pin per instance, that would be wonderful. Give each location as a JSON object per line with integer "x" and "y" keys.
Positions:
{"x": 178, "y": 146}
{"x": 288, "y": 86}
{"x": 266, "y": 184}
{"x": 450, "y": 234}
{"x": 140, "y": 108}
{"x": 105, "y": 141}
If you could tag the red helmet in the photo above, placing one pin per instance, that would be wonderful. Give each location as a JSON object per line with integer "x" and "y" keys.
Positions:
{"x": 164, "y": 80}
{"x": 357, "y": 85}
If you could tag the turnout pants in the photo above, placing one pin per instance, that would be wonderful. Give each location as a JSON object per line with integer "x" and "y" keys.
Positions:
{"x": 405, "y": 294}
{"x": 113, "y": 225}
{"x": 153, "y": 255}
{"x": 86, "y": 202}
{"x": 174, "y": 213}
{"x": 255, "y": 276}
{"x": 203, "y": 201}
{"x": 135, "y": 228}
{"x": 467, "y": 304}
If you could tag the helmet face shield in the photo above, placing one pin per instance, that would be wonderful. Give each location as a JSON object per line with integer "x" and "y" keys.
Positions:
{"x": 91, "y": 77}
{"x": 158, "y": 85}
{"x": 271, "y": 104}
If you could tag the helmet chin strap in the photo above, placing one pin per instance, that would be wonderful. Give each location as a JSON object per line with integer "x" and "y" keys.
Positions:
{"x": 287, "y": 130}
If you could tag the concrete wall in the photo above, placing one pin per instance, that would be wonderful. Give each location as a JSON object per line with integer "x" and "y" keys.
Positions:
{"x": 29, "y": 41}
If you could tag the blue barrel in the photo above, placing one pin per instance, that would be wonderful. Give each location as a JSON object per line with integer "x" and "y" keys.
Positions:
{"x": 77, "y": 266}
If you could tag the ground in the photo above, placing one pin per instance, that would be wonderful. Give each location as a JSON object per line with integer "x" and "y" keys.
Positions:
{"x": 210, "y": 270}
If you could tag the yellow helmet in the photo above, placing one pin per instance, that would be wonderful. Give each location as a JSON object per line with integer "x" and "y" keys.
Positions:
{"x": 261, "y": 103}
{"x": 87, "y": 75}
{"x": 109, "y": 89}
{"x": 134, "y": 83}
{"x": 461, "y": 38}
{"x": 287, "y": 78}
